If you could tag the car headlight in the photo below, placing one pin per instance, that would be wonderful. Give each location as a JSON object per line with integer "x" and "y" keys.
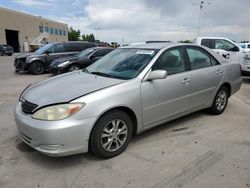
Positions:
{"x": 57, "y": 112}
{"x": 63, "y": 63}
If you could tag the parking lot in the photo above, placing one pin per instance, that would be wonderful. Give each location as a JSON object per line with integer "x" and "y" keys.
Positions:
{"x": 199, "y": 150}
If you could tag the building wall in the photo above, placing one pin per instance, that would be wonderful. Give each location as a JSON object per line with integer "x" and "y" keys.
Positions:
{"x": 29, "y": 27}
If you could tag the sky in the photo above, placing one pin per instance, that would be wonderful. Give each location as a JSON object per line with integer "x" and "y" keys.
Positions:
{"x": 131, "y": 21}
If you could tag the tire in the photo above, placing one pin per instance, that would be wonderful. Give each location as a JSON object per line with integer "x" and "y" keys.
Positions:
{"x": 9, "y": 54}
{"x": 220, "y": 101}
{"x": 105, "y": 139}
{"x": 1, "y": 54}
{"x": 74, "y": 67}
{"x": 37, "y": 68}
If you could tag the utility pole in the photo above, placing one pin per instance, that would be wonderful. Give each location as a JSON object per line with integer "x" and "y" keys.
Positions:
{"x": 201, "y": 4}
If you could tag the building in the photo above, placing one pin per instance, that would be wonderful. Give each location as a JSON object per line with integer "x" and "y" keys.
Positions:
{"x": 25, "y": 32}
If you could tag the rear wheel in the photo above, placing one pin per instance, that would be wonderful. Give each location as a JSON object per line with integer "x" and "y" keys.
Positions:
{"x": 74, "y": 67}
{"x": 220, "y": 101}
{"x": 111, "y": 134}
{"x": 37, "y": 68}
{"x": 9, "y": 54}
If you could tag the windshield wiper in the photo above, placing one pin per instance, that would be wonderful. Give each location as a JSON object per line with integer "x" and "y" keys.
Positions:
{"x": 101, "y": 74}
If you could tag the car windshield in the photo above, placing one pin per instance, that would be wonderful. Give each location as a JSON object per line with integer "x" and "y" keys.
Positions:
{"x": 43, "y": 48}
{"x": 85, "y": 53}
{"x": 122, "y": 63}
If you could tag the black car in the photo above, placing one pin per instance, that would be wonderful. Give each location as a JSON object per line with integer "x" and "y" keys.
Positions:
{"x": 6, "y": 49}
{"x": 39, "y": 61}
{"x": 78, "y": 61}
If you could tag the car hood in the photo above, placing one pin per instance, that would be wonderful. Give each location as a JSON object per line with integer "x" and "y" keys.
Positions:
{"x": 66, "y": 87}
{"x": 24, "y": 55}
{"x": 63, "y": 59}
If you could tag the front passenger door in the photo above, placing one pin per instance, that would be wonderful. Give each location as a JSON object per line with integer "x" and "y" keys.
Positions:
{"x": 166, "y": 98}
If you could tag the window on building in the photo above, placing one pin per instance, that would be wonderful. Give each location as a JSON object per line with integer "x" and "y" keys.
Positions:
{"x": 64, "y": 33}
{"x": 51, "y": 30}
{"x": 56, "y": 31}
{"x": 41, "y": 28}
{"x": 60, "y": 32}
{"x": 46, "y": 29}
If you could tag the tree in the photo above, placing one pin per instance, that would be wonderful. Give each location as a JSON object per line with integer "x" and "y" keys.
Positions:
{"x": 88, "y": 37}
{"x": 185, "y": 41}
{"x": 73, "y": 35}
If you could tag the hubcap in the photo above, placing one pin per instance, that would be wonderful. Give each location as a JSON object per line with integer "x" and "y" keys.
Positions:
{"x": 114, "y": 135}
{"x": 221, "y": 100}
{"x": 39, "y": 68}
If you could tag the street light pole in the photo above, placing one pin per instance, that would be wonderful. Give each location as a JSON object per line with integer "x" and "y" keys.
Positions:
{"x": 201, "y": 5}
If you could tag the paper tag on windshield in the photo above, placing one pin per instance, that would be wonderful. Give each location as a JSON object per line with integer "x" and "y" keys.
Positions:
{"x": 147, "y": 52}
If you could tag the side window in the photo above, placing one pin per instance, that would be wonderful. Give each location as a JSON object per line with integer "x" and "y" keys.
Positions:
{"x": 198, "y": 59}
{"x": 206, "y": 42}
{"x": 171, "y": 60}
{"x": 224, "y": 45}
{"x": 58, "y": 48}
{"x": 99, "y": 53}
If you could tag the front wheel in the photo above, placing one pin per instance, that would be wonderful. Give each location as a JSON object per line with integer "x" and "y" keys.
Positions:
{"x": 111, "y": 134}
{"x": 37, "y": 68}
{"x": 220, "y": 101}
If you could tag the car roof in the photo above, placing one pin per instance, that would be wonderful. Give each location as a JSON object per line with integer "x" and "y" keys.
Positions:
{"x": 101, "y": 47}
{"x": 157, "y": 45}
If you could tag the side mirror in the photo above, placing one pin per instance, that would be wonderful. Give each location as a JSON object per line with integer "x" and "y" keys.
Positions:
{"x": 157, "y": 74}
{"x": 47, "y": 52}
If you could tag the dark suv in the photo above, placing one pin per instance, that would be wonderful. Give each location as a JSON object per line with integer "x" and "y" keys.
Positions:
{"x": 78, "y": 61}
{"x": 39, "y": 61}
{"x": 6, "y": 49}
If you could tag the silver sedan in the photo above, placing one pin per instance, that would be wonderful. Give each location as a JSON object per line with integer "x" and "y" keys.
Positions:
{"x": 130, "y": 90}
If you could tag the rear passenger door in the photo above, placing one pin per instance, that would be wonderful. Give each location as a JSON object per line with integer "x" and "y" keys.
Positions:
{"x": 164, "y": 99}
{"x": 206, "y": 75}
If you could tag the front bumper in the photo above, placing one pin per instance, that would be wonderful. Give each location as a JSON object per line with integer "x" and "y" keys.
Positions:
{"x": 54, "y": 138}
{"x": 245, "y": 69}
{"x": 20, "y": 65}
{"x": 57, "y": 70}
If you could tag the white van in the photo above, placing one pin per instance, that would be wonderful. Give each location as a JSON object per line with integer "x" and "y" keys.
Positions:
{"x": 228, "y": 49}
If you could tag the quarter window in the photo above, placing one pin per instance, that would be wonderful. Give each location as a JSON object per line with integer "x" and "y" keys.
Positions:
{"x": 198, "y": 59}
{"x": 171, "y": 60}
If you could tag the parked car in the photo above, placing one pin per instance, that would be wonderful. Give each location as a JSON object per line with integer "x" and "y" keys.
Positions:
{"x": 246, "y": 49}
{"x": 78, "y": 61}
{"x": 228, "y": 49}
{"x": 39, "y": 61}
{"x": 126, "y": 92}
{"x": 6, "y": 50}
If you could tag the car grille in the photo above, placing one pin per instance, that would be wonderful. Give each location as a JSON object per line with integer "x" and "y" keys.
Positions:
{"x": 28, "y": 107}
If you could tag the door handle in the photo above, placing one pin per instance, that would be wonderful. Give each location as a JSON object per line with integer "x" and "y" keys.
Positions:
{"x": 186, "y": 81}
{"x": 219, "y": 72}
